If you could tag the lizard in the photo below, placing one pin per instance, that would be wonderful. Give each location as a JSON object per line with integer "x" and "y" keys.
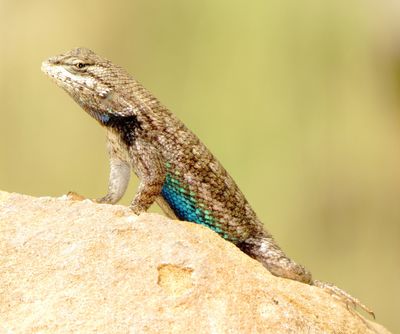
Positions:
{"x": 175, "y": 169}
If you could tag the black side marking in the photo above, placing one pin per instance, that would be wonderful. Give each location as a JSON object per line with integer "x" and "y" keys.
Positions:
{"x": 125, "y": 125}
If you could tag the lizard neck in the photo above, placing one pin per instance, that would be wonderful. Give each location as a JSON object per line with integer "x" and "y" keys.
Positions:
{"x": 125, "y": 126}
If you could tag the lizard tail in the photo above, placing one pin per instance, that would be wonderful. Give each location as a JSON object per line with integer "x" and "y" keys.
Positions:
{"x": 342, "y": 295}
{"x": 264, "y": 249}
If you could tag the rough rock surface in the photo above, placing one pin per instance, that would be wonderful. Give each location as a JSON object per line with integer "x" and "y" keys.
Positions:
{"x": 79, "y": 267}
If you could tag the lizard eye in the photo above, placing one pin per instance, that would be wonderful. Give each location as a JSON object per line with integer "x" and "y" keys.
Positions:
{"x": 80, "y": 65}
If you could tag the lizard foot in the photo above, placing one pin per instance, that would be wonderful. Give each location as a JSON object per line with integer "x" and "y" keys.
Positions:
{"x": 342, "y": 295}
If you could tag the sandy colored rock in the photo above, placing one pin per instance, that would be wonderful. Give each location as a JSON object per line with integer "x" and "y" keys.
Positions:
{"x": 79, "y": 267}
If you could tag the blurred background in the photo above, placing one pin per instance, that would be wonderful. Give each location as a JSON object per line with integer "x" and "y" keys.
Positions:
{"x": 300, "y": 101}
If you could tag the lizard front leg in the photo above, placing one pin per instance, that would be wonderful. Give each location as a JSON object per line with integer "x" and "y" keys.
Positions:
{"x": 120, "y": 173}
{"x": 150, "y": 168}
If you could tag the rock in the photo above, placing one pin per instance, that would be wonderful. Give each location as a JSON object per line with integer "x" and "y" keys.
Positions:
{"x": 80, "y": 267}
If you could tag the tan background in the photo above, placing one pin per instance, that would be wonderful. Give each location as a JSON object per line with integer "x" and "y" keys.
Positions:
{"x": 299, "y": 100}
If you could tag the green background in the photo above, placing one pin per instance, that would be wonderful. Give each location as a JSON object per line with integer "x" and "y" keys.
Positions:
{"x": 298, "y": 99}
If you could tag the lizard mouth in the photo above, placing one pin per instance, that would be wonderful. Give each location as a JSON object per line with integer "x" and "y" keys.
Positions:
{"x": 63, "y": 78}
{"x": 53, "y": 71}
{"x": 46, "y": 68}
{"x": 49, "y": 68}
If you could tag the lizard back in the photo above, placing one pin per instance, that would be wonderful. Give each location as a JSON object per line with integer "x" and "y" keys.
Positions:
{"x": 197, "y": 187}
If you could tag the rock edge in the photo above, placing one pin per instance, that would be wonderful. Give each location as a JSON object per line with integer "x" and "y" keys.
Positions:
{"x": 80, "y": 267}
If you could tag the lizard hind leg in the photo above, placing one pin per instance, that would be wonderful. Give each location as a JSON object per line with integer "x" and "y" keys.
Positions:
{"x": 264, "y": 249}
{"x": 163, "y": 204}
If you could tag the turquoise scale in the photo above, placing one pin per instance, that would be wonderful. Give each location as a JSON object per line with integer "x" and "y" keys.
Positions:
{"x": 186, "y": 206}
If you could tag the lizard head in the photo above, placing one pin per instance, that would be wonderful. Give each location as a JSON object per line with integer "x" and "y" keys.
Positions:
{"x": 92, "y": 81}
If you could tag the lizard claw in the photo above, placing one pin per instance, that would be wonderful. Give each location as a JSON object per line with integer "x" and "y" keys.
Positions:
{"x": 107, "y": 199}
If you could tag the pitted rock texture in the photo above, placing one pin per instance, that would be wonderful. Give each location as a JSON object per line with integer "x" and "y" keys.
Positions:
{"x": 79, "y": 267}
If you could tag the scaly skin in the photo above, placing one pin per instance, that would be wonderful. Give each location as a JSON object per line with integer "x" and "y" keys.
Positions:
{"x": 174, "y": 167}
